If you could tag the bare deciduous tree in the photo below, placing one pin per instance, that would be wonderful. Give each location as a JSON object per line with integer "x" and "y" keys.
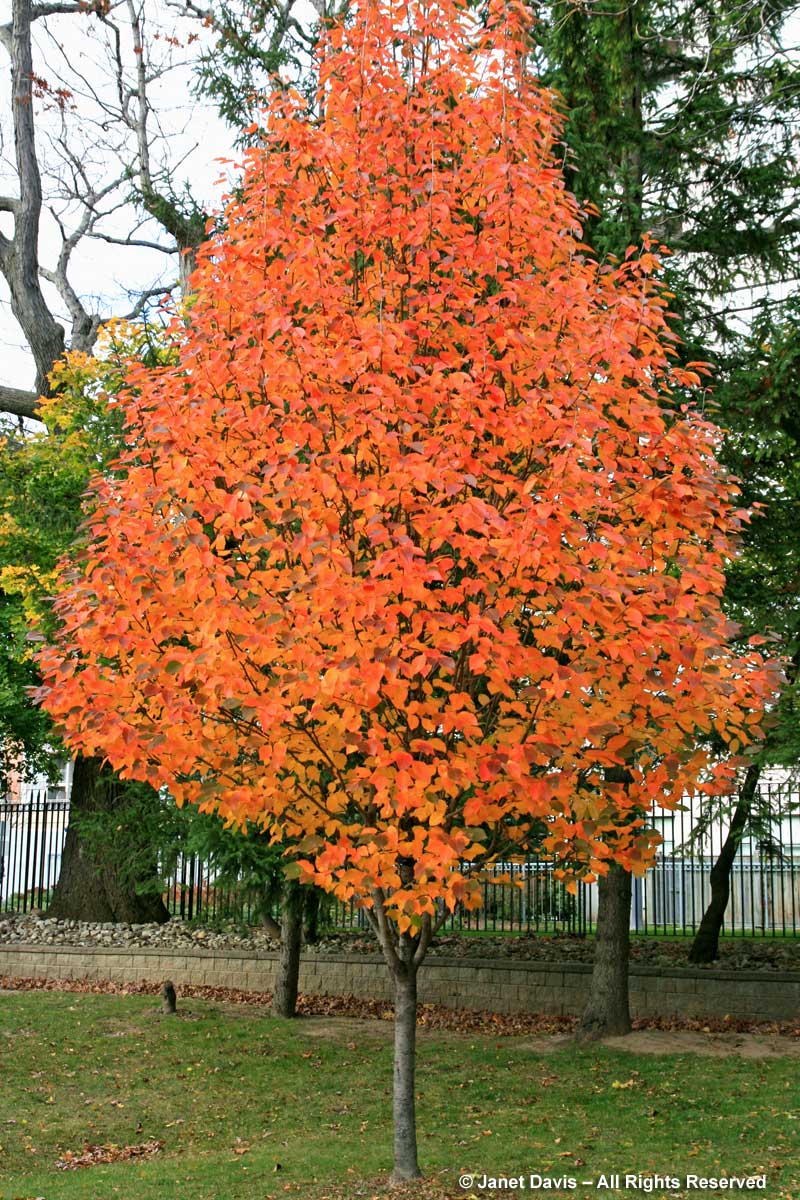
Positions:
{"x": 99, "y": 167}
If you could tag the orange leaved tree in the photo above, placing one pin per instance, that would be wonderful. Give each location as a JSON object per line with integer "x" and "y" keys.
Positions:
{"x": 418, "y": 556}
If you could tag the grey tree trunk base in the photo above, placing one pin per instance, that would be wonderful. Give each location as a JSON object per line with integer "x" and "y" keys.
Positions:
{"x": 284, "y": 1000}
{"x": 406, "y": 1164}
{"x": 607, "y": 1012}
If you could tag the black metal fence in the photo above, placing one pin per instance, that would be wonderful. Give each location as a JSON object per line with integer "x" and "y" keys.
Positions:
{"x": 523, "y": 897}
{"x": 31, "y": 840}
{"x": 765, "y": 877}
{"x": 535, "y": 901}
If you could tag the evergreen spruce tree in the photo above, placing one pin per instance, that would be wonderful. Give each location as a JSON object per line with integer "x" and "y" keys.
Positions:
{"x": 682, "y": 120}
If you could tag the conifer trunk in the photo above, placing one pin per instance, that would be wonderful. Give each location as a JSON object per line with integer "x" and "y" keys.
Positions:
{"x": 312, "y": 904}
{"x": 91, "y": 886}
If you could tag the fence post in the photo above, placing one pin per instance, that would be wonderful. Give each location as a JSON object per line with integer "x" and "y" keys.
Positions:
{"x": 636, "y": 903}
{"x": 42, "y": 849}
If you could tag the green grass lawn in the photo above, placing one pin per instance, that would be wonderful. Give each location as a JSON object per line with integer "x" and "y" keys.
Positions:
{"x": 249, "y": 1107}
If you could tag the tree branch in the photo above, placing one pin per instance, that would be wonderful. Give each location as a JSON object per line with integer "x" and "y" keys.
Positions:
{"x": 50, "y": 10}
{"x": 163, "y": 290}
{"x": 19, "y": 260}
{"x": 424, "y": 940}
{"x": 738, "y": 242}
{"x": 84, "y": 324}
{"x": 188, "y": 230}
{"x": 386, "y": 934}
{"x": 17, "y": 402}
{"x": 131, "y": 241}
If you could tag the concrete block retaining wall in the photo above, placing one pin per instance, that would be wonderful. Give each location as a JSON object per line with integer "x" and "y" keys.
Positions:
{"x": 500, "y": 986}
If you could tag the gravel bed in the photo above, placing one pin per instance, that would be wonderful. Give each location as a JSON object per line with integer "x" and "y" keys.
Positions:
{"x": 779, "y": 954}
{"x": 174, "y": 935}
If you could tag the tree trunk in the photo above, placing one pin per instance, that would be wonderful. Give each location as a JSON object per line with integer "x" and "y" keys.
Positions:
{"x": 633, "y": 163}
{"x": 607, "y": 1012}
{"x": 312, "y": 898}
{"x": 705, "y": 947}
{"x": 406, "y": 1165}
{"x": 91, "y": 887}
{"x": 284, "y": 1001}
{"x": 404, "y": 954}
{"x": 19, "y": 255}
{"x": 271, "y": 926}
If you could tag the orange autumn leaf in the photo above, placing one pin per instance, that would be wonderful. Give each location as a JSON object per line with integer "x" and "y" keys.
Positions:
{"x": 419, "y": 540}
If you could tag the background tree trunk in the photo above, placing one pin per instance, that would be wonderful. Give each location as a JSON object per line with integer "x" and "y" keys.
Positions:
{"x": 272, "y": 927}
{"x": 90, "y": 887}
{"x": 312, "y": 900}
{"x": 705, "y": 947}
{"x": 607, "y": 1013}
{"x": 284, "y": 1001}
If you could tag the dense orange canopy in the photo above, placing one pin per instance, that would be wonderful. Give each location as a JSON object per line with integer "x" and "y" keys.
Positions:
{"x": 417, "y": 539}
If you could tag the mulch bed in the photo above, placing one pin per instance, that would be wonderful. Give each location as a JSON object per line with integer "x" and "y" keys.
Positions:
{"x": 430, "y": 1016}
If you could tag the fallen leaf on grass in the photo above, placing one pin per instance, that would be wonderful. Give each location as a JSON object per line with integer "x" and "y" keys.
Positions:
{"x": 93, "y": 1156}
